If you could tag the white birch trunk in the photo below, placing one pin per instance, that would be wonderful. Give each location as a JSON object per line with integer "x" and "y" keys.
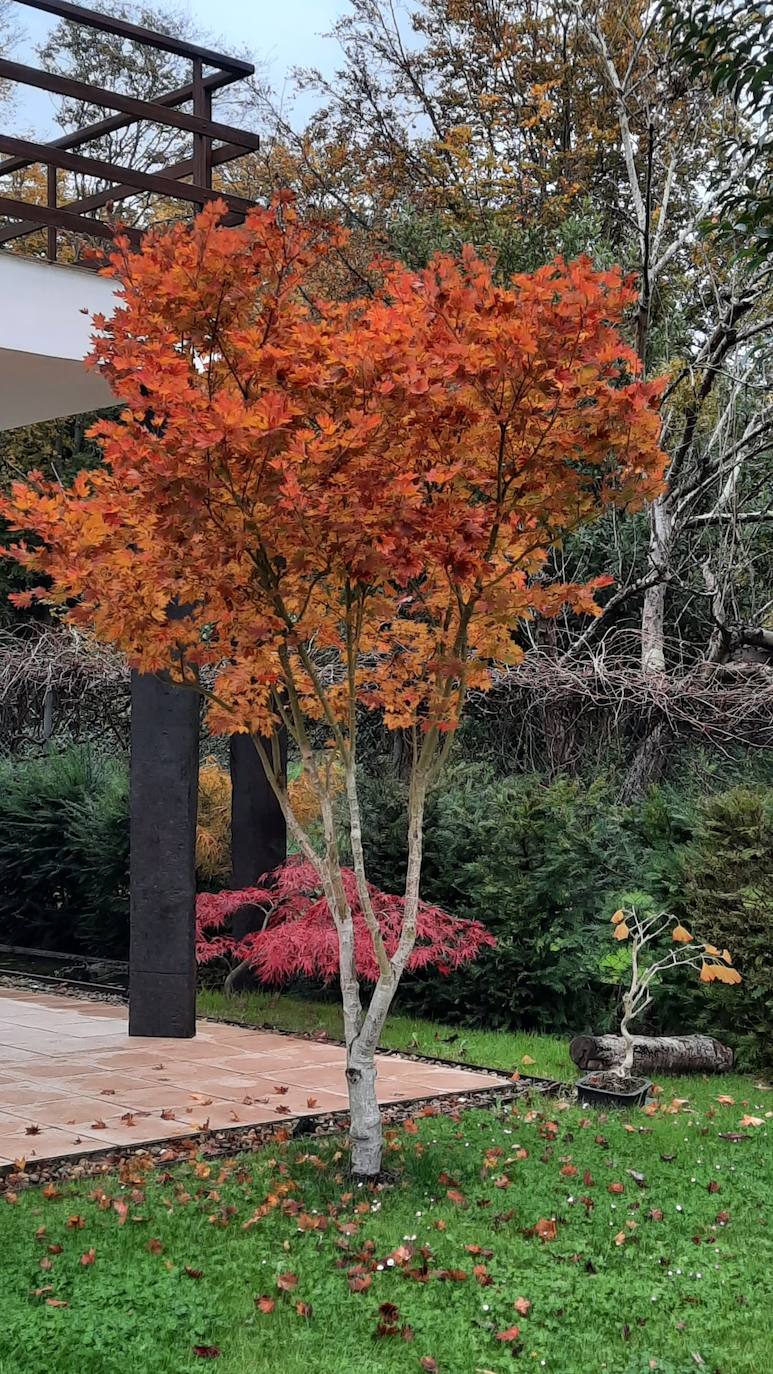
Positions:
{"x": 363, "y": 1032}
{"x": 653, "y": 651}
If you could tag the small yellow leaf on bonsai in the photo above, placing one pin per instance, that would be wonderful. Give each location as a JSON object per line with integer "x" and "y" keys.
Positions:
{"x": 681, "y": 935}
{"x": 622, "y": 932}
{"x": 618, "y": 917}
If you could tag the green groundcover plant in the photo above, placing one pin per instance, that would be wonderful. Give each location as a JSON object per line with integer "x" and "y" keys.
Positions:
{"x": 538, "y": 1237}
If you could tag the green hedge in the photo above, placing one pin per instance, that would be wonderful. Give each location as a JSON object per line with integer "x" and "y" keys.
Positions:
{"x": 545, "y": 864}
{"x": 533, "y": 861}
{"x": 541, "y": 864}
{"x": 64, "y": 853}
{"x": 726, "y": 873}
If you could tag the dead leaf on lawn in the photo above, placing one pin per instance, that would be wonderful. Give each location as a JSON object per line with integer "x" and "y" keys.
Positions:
{"x": 511, "y": 1334}
{"x": 360, "y": 1283}
{"x": 546, "y": 1228}
{"x": 522, "y": 1306}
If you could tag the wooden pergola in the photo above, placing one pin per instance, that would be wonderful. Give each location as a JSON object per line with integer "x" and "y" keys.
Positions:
{"x": 165, "y": 719}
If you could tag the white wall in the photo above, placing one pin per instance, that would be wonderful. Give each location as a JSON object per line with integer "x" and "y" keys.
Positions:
{"x": 44, "y": 336}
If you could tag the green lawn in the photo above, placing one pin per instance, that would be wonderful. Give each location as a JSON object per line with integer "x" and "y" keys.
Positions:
{"x": 495, "y": 1049}
{"x": 661, "y": 1259}
{"x": 647, "y": 1270}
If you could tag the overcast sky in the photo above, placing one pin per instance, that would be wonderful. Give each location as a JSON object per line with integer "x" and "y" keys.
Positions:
{"x": 277, "y": 35}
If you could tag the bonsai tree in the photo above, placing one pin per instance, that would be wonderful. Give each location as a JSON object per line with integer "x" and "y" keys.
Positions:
{"x": 351, "y": 505}
{"x": 683, "y": 950}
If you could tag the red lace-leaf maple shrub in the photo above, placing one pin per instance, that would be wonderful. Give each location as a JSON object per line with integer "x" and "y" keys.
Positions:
{"x": 300, "y": 936}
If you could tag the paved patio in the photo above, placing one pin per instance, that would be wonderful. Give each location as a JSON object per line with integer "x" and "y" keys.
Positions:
{"x": 72, "y": 1082}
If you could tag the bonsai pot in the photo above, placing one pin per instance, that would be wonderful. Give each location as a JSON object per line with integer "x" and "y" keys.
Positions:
{"x": 607, "y": 1089}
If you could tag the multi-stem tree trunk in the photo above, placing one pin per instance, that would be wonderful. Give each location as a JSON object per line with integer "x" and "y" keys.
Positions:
{"x": 363, "y": 1029}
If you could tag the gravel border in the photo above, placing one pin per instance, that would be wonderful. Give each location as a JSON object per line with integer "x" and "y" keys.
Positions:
{"x": 224, "y": 1143}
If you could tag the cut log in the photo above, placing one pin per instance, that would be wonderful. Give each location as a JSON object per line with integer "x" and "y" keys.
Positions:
{"x": 653, "y": 1054}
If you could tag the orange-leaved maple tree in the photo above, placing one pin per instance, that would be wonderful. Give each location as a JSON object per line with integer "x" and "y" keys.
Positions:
{"x": 351, "y": 506}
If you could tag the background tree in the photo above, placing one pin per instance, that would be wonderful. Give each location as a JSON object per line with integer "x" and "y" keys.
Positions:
{"x": 528, "y": 128}
{"x": 730, "y": 45}
{"x": 353, "y": 502}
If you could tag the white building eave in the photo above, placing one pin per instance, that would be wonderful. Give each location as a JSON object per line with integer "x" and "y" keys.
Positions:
{"x": 45, "y": 334}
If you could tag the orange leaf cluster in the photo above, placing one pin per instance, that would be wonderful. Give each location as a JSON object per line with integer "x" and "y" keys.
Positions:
{"x": 380, "y": 478}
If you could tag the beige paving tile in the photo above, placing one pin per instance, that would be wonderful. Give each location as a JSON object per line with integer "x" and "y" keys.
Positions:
{"x": 72, "y": 1110}
{"x": 51, "y": 1143}
{"x": 212, "y": 1084}
{"x": 57, "y": 1054}
{"x": 143, "y": 1131}
{"x": 41, "y": 1090}
{"x": 12, "y": 1057}
{"x": 155, "y": 1097}
{"x": 127, "y": 1059}
{"x": 42, "y": 1067}
{"x": 220, "y": 1116}
{"x": 113, "y": 1081}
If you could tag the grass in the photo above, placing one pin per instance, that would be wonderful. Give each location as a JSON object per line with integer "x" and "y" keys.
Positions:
{"x": 661, "y": 1257}
{"x": 664, "y": 1268}
{"x": 494, "y": 1049}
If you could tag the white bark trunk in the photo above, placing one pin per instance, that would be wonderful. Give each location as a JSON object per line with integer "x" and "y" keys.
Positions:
{"x": 365, "y": 1133}
{"x": 626, "y": 1065}
{"x": 653, "y": 651}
